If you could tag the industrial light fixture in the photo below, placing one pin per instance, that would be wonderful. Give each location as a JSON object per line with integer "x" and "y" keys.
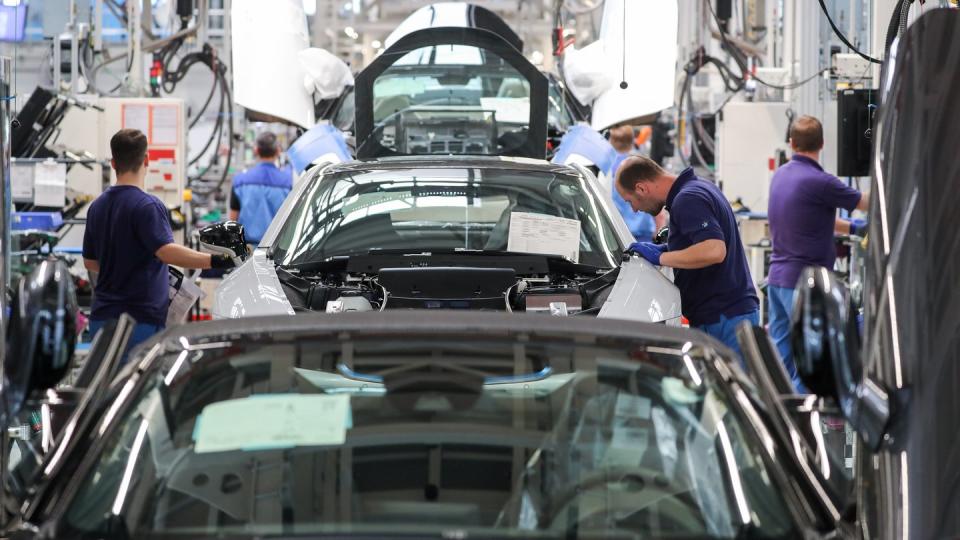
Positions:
{"x": 12, "y": 3}
{"x": 376, "y": 44}
{"x": 310, "y": 7}
{"x": 351, "y": 33}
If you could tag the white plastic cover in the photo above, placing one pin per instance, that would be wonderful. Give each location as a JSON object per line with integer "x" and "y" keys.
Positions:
{"x": 646, "y": 32}
{"x": 587, "y": 71}
{"x": 267, "y": 75}
{"x": 326, "y": 74}
{"x": 432, "y": 16}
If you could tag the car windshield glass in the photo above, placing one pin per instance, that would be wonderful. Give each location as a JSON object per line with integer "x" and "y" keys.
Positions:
{"x": 415, "y": 436}
{"x": 451, "y": 99}
{"x": 343, "y": 118}
{"x": 559, "y": 116}
{"x": 444, "y": 209}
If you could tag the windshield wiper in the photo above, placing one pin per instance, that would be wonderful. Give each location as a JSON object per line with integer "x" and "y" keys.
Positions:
{"x": 555, "y": 262}
{"x": 330, "y": 263}
{"x": 553, "y": 259}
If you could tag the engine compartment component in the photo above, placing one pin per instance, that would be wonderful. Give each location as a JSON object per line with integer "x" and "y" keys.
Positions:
{"x": 549, "y": 301}
{"x": 348, "y": 303}
{"x": 446, "y": 281}
{"x": 447, "y": 287}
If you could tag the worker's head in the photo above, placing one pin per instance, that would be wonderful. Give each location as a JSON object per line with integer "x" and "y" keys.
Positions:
{"x": 806, "y": 135}
{"x": 129, "y": 152}
{"x": 643, "y": 184}
{"x": 267, "y": 148}
{"x": 621, "y": 138}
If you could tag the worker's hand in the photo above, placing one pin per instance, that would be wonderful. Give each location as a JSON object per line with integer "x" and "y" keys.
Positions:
{"x": 648, "y": 250}
{"x": 218, "y": 260}
{"x": 858, "y": 227}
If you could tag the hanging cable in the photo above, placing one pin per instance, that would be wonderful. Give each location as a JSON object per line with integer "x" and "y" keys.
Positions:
{"x": 694, "y": 125}
{"x": 737, "y": 55}
{"x": 843, "y": 38}
{"x": 623, "y": 73}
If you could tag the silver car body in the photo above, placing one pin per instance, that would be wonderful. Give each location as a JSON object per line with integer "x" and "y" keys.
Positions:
{"x": 641, "y": 292}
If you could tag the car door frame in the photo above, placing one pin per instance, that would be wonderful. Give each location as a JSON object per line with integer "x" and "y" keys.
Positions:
{"x": 107, "y": 349}
{"x": 806, "y": 451}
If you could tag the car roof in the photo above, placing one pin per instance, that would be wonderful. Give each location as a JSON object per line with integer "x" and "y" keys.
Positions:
{"x": 483, "y": 325}
{"x": 452, "y": 162}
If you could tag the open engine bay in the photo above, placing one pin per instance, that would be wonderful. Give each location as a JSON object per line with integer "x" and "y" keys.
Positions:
{"x": 451, "y": 280}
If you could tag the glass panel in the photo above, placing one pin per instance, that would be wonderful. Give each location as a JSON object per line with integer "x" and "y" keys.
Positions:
{"x": 451, "y": 99}
{"x": 439, "y": 209}
{"x": 592, "y": 440}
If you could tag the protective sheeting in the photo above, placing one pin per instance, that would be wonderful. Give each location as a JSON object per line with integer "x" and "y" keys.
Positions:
{"x": 267, "y": 74}
{"x": 320, "y": 143}
{"x": 587, "y": 72}
{"x": 326, "y": 75}
{"x": 639, "y": 39}
{"x": 584, "y": 146}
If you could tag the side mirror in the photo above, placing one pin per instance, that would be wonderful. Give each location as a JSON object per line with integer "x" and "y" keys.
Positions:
{"x": 662, "y": 236}
{"x": 826, "y": 345}
{"x": 826, "y": 349}
{"x": 225, "y": 238}
{"x": 41, "y": 335}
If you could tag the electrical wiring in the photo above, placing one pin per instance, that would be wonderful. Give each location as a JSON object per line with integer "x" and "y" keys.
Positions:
{"x": 898, "y": 23}
{"x": 792, "y": 86}
{"x": 843, "y": 38}
{"x": 732, "y": 82}
{"x": 737, "y": 55}
{"x": 172, "y": 75}
{"x": 207, "y": 56}
{"x": 203, "y": 109}
{"x": 685, "y": 96}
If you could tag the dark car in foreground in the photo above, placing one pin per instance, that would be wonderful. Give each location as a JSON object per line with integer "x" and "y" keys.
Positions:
{"x": 444, "y": 425}
{"x": 897, "y": 383}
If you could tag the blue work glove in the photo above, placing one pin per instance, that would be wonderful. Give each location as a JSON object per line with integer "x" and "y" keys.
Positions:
{"x": 858, "y": 227}
{"x": 648, "y": 250}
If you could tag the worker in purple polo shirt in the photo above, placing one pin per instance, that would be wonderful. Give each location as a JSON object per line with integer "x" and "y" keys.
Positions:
{"x": 803, "y": 219}
{"x": 704, "y": 249}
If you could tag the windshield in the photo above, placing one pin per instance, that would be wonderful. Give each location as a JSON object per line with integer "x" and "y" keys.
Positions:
{"x": 559, "y": 116}
{"x": 451, "y": 99}
{"x": 425, "y": 210}
{"x": 390, "y": 436}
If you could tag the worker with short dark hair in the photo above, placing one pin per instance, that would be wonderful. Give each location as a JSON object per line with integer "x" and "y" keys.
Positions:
{"x": 259, "y": 191}
{"x": 802, "y": 212}
{"x": 704, "y": 248}
{"x": 128, "y": 243}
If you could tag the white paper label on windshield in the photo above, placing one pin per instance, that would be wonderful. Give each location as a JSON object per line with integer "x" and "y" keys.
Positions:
{"x": 547, "y": 235}
{"x": 273, "y": 421}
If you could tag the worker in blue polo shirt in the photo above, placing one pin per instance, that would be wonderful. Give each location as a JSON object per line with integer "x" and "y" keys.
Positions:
{"x": 259, "y": 191}
{"x": 704, "y": 249}
{"x": 128, "y": 244}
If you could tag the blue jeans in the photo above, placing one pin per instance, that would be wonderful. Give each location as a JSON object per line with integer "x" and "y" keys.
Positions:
{"x": 725, "y": 330}
{"x": 141, "y": 333}
{"x": 779, "y": 306}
